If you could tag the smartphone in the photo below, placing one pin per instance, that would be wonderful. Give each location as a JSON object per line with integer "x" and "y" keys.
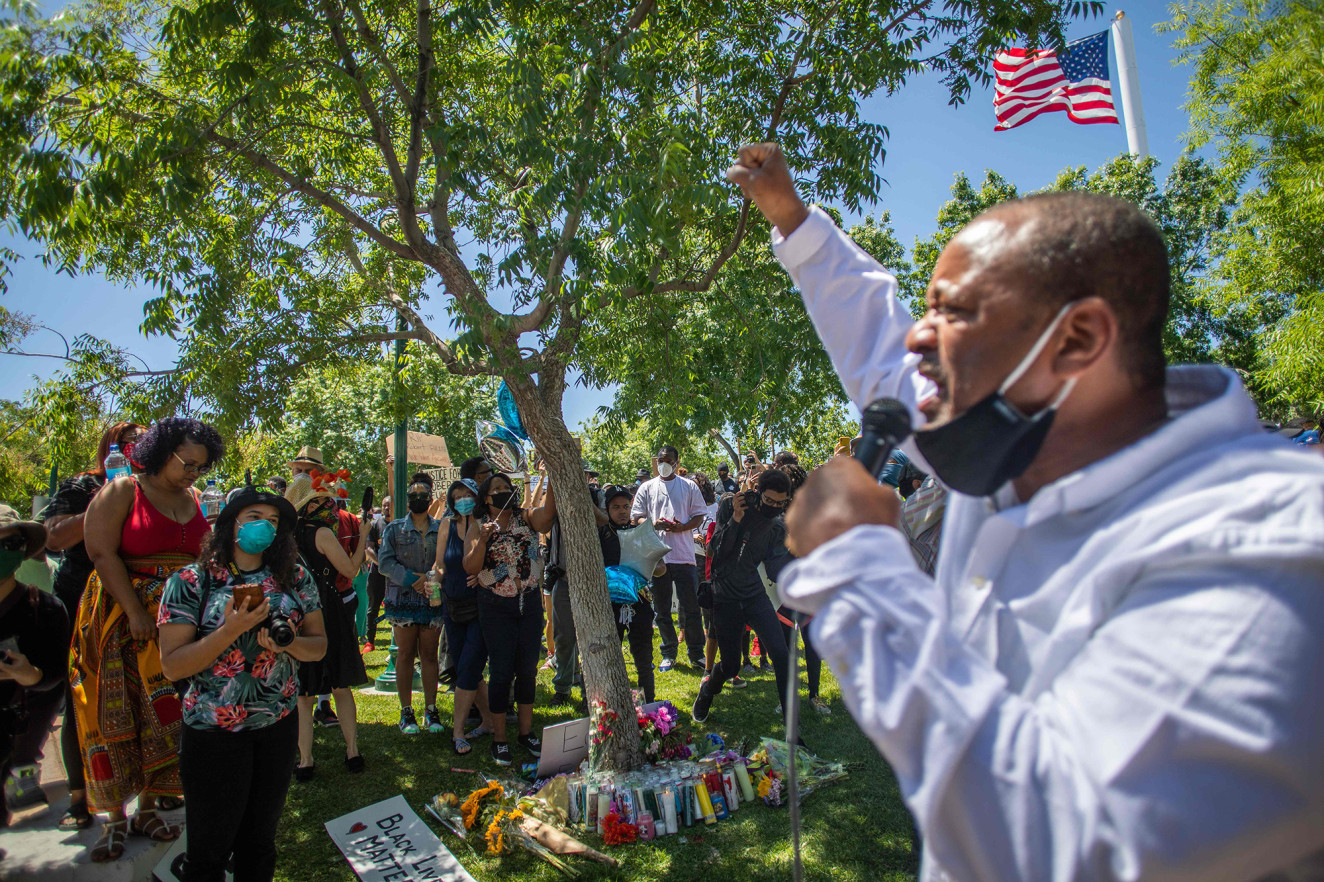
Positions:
{"x": 7, "y": 646}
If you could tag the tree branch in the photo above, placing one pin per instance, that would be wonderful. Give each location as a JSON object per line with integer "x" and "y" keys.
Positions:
{"x": 421, "y": 331}
{"x": 317, "y": 194}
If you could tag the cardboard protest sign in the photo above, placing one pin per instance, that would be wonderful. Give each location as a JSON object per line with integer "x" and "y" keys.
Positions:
{"x": 565, "y": 745}
{"x": 422, "y": 449}
{"x": 388, "y": 842}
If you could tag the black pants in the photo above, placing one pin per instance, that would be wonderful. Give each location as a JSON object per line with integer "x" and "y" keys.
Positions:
{"x": 512, "y": 629}
{"x": 43, "y": 708}
{"x": 729, "y": 620}
{"x": 376, "y": 596}
{"x": 640, "y": 631}
{"x": 813, "y": 661}
{"x": 234, "y": 793}
{"x": 70, "y": 751}
{"x": 681, "y": 577}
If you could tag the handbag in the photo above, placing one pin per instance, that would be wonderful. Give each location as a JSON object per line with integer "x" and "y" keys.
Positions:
{"x": 705, "y": 594}
{"x": 462, "y": 610}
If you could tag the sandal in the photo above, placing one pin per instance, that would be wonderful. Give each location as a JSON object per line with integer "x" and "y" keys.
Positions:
{"x": 110, "y": 844}
{"x": 76, "y": 818}
{"x": 479, "y": 732}
{"x": 354, "y": 763}
{"x": 152, "y": 827}
{"x": 169, "y": 803}
{"x": 461, "y": 746}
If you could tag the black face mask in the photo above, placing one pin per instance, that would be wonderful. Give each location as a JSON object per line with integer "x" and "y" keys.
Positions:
{"x": 505, "y": 500}
{"x": 770, "y": 511}
{"x": 419, "y": 504}
{"x": 992, "y": 442}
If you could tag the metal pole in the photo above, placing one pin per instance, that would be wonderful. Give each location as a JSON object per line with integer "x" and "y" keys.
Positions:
{"x": 385, "y": 681}
{"x": 1128, "y": 83}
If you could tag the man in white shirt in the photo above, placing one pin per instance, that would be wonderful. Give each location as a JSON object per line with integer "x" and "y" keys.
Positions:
{"x": 1116, "y": 670}
{"x": 676, "y": 507}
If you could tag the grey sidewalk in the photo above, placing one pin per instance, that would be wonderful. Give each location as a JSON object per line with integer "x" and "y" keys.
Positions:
{"x": 40, "y": 852}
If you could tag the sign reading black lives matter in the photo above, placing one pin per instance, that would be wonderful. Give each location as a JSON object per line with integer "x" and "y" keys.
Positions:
{"x": 388, "y": 842}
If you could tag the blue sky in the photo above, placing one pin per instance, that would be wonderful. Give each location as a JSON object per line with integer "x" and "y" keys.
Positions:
{"x": 930, "y": 143}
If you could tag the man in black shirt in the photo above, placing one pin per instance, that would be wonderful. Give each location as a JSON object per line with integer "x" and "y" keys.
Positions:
{"x": 725, "y": 483}
{"x": 746, "y": 537}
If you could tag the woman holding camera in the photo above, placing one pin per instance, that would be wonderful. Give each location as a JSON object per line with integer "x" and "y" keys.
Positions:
{"x": 236, "y": 625}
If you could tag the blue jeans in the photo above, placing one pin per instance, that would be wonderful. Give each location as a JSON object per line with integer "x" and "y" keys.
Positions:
{"x": 467, "y": 650}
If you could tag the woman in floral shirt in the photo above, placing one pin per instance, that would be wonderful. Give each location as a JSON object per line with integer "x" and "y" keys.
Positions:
{"x": 239, "y": 740}
{"x": 503, "y": 553}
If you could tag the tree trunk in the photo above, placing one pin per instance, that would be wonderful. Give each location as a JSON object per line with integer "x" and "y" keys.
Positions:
{"x": 605, "y": 677}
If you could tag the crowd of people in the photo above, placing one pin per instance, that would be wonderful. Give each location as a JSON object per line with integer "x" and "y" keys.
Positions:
{"x": 1087, "y": 641}
{"x": 202, "y": 652}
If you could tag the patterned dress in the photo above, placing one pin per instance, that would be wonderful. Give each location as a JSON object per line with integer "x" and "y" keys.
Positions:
{"x": 128, "y": 712}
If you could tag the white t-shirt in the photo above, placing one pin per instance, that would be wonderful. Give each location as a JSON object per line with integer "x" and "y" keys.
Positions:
{"x": 676, "y": 500}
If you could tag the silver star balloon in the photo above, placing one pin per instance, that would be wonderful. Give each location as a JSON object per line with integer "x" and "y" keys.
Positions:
{"x": 642, "y": 549}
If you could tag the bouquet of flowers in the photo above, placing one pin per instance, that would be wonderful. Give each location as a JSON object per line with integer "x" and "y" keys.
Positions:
{"x": 659, "y": 731}
{"x": 504, "y": 821}
{"x": 811, "y": 772}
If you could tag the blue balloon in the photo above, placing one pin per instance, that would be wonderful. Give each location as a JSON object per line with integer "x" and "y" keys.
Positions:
{"x": 510, "y": 412}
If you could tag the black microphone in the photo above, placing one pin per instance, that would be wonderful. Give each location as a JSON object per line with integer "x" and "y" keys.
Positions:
{"x": 884, "y": 424}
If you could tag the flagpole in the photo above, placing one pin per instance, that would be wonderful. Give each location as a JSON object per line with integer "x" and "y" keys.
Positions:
{"x": 1128, "y": 81}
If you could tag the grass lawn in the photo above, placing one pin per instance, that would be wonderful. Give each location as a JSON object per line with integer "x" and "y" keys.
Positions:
{"x": 856, "y": 829}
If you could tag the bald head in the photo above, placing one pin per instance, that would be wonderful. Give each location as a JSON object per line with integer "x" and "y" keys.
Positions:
{"x": 1063, "y": 247}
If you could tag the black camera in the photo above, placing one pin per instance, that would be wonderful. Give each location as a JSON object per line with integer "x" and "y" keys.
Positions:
{"x": 279, "y": 629}
{"x": 753, "y": 499}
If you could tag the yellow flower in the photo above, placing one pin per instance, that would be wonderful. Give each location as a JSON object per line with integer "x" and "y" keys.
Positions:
{"x": 472, "y": 807}
{"x": 765, "y": 786}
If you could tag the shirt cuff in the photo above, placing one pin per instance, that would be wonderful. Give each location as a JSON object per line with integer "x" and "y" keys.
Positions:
{"x": 868, "y": 550}
{"x": 802, "y": 244}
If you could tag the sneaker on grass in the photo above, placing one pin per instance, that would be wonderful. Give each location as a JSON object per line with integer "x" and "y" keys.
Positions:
{"x": 702, "y": 703}
{"x": 531, "y": 743}
{"x": 820, "y": 705}
{"x": 737, "y": 683}
{"x": 667, "y": 664}
{"x": 501, "y": 753}
{"x": 408, "y": 723}
{"x": 432, "y": 720}
{"x": 324, "y": 716}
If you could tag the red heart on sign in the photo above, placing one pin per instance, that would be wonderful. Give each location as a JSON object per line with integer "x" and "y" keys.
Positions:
{"x": 358, "y": 828}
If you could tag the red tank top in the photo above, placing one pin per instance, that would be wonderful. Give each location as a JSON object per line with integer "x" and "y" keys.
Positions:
{"x": 148, "y": 532}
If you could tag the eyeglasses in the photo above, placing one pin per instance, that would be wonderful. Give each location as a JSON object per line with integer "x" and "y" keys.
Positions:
{"x": 770, "y": 504}
{"x": 14, "y": 542}
{"x": 190, "y": 468}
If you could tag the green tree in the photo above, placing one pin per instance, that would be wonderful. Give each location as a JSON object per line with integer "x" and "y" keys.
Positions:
{"x": 1191, "y": 210}
{"x": 296, "y": 176}
{"x": 1257, "y": 95}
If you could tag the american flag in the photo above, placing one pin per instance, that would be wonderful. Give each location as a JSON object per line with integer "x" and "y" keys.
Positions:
{"x": 1074, "y": 80}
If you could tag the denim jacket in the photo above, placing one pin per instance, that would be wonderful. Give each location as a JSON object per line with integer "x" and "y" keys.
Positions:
{"x": 405, "y": 552}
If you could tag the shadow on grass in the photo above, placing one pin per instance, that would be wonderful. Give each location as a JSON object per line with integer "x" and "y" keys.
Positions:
{"x": 856, "y": 829}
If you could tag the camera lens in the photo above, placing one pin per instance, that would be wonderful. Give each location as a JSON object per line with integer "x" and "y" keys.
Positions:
{"x": 280, "y": 630}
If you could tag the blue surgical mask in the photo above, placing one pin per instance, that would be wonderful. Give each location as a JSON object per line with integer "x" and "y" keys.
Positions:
{"x": 465, "y": 507}
{"x": 255, "y": 537}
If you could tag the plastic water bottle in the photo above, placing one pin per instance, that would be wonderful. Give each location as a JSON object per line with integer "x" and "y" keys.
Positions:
{"x": 434, "y": 588}
{"x": 212, "y": 500}
{"x": 117, "y": 464}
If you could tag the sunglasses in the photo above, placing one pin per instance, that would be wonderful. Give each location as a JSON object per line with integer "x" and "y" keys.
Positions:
{"x": 190, "y": 468}
{"x": 14, "y": 543}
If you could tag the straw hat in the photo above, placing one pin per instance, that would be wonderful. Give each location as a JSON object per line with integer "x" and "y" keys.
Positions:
{"x": 34, "y": 532}
{"x": 300, "y": 491}
{"x": 309, "y": 456}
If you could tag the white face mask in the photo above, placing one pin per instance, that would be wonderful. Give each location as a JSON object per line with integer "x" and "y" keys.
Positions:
{"x": 665, "y": 469}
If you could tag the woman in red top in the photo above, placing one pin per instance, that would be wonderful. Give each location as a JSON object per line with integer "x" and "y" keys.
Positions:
{"x": 138, "y": 530}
